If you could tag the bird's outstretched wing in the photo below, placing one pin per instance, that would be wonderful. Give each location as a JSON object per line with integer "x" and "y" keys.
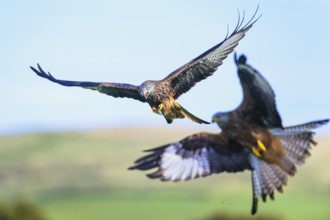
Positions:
{"x": 258, "y": 103}
{"x": 195, "y": 156}
{"x": 117, "y": 90}
{"x": 203, "y": 66}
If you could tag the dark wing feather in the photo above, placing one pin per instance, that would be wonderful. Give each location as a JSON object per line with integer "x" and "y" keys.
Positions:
{"x": 196, "y": 156}
{"x": 117, "y": 90}
{"x": 203, "y": 66}
{"x": 258, "y": 105}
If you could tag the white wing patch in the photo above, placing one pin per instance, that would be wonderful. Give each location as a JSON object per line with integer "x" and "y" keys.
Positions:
{"x": 176, "y": 166}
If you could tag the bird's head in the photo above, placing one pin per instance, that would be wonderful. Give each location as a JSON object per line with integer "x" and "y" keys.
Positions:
{"x": 147, "y": 88}
{"x": 221, "y": 118}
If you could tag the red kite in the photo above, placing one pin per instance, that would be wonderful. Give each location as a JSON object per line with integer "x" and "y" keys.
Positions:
{"x": 161, "y": 95}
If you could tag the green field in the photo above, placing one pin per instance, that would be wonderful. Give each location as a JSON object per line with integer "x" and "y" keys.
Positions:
{"x": 84, "y": 176}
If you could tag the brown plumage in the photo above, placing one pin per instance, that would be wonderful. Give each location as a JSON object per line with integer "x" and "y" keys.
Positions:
{"x": 252, "y": 138}
{"x": 161, "y": 95}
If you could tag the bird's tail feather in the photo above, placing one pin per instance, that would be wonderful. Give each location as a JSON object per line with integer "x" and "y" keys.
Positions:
{"x": 192, "y": 117}
{"x": 266, "y": 177}
{"x": 297, "y": 140}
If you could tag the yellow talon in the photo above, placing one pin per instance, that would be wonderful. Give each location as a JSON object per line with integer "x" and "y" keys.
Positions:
{"x": 256, "y": 152}
{"x": 155, "y": 110}
{"x": 261, "y": 146}
{"x": 160, "y": 106}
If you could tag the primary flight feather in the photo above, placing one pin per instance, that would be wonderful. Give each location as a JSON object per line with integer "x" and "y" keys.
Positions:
{"x": 161, "y": 95}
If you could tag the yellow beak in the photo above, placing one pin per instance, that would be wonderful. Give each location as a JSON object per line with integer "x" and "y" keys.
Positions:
{"x": 215, "y": 120}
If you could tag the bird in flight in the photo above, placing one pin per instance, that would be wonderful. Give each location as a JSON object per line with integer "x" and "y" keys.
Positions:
{"x": 161, "y": 95}
{"x": 252, "y": 138}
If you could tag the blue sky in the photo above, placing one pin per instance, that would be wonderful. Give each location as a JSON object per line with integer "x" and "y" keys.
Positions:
{"x": 131, "y": 41}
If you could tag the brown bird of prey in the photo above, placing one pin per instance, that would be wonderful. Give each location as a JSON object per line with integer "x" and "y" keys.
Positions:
{"x": 252, "y": 138}
{"x": 161, "y": 95}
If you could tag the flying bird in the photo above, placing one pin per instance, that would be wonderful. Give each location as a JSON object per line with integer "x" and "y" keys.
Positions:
{"x": 252, "y": 138}
{"x": 161, "y": 95}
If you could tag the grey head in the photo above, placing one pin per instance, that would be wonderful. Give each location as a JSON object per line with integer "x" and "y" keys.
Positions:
{"x": 147, "y": 88}
{"x": 221, "y": 118}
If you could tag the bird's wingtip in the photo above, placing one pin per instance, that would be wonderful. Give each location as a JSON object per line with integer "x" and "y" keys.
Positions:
{"x": 324, "y": 121}
{"x": 34, "y": 69}
{"x": 131, "y": 168}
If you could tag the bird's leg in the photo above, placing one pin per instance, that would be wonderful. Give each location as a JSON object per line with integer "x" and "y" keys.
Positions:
{"x": 256, "y": 152}
{"x": 160, "y": 106}
{"x": 259, "y": 149}
{"x": 261, "y": 145}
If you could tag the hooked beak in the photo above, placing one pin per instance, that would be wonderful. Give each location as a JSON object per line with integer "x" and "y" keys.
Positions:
{"x": 215, "y": 119}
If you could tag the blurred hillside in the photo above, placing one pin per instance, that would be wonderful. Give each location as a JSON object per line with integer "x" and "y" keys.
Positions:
{"x": 84, "y": 176}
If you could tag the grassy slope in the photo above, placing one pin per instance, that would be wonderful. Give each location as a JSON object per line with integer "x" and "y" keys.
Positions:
{"x": 85, "y": 176}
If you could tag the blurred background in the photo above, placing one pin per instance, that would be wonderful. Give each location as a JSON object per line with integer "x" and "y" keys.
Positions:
{"x": 66, "y": 150}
